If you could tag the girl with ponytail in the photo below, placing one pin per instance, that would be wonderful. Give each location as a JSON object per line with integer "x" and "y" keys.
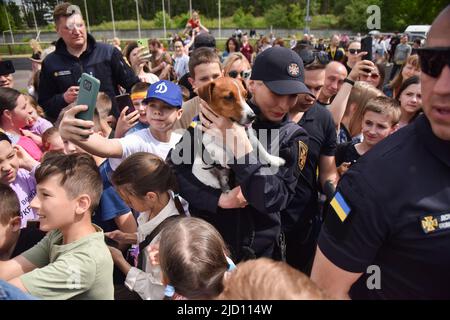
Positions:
{"x": 194, "y": 259}
{"x": 148, "y": 185}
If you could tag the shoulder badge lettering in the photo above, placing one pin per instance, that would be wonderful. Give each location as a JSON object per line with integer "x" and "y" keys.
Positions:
{"x": 62, "y": 73}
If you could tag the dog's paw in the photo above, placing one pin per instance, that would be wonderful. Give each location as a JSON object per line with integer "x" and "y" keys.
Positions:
{"x": 277, "y": 161}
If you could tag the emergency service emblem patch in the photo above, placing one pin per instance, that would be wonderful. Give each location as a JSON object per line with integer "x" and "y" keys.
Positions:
{"x": 429, "y": 224}
{"x": 302, "y": 154}
{"x": 434, "y": 223}
{"x": 293, "y": 70}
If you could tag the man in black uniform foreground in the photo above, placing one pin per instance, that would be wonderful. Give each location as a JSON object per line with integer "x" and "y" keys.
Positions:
{"x": 387, "y": 235}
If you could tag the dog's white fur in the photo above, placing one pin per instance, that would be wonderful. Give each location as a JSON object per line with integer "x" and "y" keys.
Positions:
{"x": 218, "y": 177}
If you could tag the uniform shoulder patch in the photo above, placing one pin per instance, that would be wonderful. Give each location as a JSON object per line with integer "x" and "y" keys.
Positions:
{"x": 340, "y": 206}
{"x": 302, "y": 154}
{"x": 432, "y": 223}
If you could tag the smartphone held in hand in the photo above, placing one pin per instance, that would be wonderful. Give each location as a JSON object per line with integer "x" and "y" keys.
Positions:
{"x": 366, "y": 45}
{"x": 87, "y": 95}
{"x": 124, "y": 100}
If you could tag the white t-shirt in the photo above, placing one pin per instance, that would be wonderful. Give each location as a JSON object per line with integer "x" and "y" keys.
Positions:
{"x": 143, "y": 141}
{"x": 181, "y": 65}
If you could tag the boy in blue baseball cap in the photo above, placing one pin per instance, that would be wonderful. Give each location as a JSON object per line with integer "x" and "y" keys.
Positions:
{"x": 163, "y": 101}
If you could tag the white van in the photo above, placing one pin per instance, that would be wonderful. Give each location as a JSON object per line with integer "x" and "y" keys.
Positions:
{"x": 418, "y": 30}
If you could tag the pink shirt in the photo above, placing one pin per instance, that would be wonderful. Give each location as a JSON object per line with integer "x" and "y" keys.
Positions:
{"x": 30, "y": 147}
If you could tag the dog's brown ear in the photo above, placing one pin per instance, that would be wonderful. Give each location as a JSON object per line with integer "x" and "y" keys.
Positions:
{"x": 205, "y": 92}
{"x": 242, "y": 82}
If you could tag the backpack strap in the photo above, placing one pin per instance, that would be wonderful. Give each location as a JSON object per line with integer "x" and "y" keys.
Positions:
{"x": 148, "y": 239}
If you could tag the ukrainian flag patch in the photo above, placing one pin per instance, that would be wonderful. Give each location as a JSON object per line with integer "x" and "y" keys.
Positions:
{"x": 340, "y": 206}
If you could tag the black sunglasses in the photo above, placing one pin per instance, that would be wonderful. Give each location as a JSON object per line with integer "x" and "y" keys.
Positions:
{"x": 433, "y": 60}
{"x": 244, "y": 74}
{"x": 309, "y": 56}
{"x": 354, "y": 51}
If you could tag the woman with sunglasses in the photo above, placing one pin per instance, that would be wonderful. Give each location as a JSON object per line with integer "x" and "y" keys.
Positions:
{"x": 237, "y": 66}
{"x": 376, "y": 77}
{"x": 353, "y": 55}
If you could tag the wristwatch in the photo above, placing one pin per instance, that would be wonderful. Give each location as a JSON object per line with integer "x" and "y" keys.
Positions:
{"x": 349, "y": 81}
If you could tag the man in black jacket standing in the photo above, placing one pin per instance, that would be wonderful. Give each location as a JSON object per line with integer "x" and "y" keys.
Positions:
{"x": 77, "y": 52}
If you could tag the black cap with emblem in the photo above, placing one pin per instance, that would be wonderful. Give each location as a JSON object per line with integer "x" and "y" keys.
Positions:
{"x": 281, "y": 70}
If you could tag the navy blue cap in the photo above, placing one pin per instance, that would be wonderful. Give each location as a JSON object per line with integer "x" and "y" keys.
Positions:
{"x": 204, "y": 39}
{"x": 281, "y": 70}
{"x": 165, "y": 91}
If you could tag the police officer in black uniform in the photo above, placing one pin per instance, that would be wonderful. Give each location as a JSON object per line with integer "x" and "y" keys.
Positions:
{"x": 302, "y": 219}
{"x": 248, "y": 217}
{"x": 387, "y": 235}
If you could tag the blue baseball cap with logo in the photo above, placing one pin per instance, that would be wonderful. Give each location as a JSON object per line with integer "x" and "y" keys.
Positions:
{"x": 281, "y": 69}
{"x": 165, "y": 91}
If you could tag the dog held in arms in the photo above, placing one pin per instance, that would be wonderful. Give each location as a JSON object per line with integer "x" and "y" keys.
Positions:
{"x": 226, "y": 97}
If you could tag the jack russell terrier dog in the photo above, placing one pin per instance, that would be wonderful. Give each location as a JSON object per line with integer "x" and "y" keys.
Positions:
{"x": 226, "y": 97}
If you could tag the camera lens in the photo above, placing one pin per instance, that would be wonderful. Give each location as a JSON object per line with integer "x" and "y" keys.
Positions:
{"x": 87, "y": 85}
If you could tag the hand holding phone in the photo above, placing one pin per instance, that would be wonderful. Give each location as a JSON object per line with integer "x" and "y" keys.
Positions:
{"x": 124, "y": 100}
{"x": 87, "y": 95}
{"x": 112, "y": 243}
{"x": 366, "y": 45}
{"x": 142, "y": 42}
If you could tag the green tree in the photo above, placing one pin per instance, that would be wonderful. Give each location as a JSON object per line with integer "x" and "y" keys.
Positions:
{"x": 295, "y": 16}
{"x": 355, "y": 14}
{"x": 397, "y": 15}
{"x": 243, "y": 19}
{"x": 281, "y": 16}
{"x": 3, "y": 21}
{"x": 159, "y": 21}
{"x": 14, "y": 16}
{"x": 181, "y": 20}
{"x": 276, "y": 16}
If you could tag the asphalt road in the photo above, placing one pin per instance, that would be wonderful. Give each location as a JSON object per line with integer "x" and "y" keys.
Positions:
{"x": 22, "y": 74}
{"x": 21, "y": 63}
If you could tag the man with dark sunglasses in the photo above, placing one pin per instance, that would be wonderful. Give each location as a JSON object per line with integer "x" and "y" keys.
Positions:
{"x": 309, "y": 56}
{"x": 387, "y": 233}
